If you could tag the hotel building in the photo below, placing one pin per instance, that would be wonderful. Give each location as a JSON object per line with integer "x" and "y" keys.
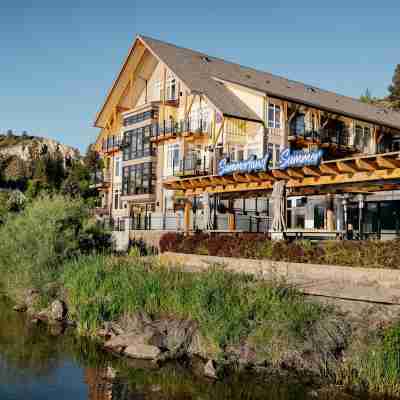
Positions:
{"x": 173, "y": 114}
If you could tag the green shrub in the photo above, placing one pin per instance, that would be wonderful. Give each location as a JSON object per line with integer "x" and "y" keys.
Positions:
{"x": 35, "y": 243}
{"x": 372, "y": 254}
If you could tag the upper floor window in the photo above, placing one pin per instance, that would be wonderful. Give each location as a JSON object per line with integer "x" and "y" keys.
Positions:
{"x": 118, "y": 166}
{"x": 171, "y": 89}
{"x": 173, "y": 156}
{"x": 298, "y": 125}
{"x": 274, "y": 116}
{"x": 362, "y": 137}
{"x": 138, "y": 143}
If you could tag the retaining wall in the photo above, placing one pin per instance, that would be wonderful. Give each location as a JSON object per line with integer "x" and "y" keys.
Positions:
{"x": 352, "y": 283}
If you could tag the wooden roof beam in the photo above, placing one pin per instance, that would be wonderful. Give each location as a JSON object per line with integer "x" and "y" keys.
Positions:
{"x": 311, "y": 171}
{"x": 364, "y": 165}
{"x": 345, "y": 167}
{"x": 295, "y": 173}
{"x": 329, "y": 169}
{"x": 280, "y": 174}
{"x": 387, "y": 163}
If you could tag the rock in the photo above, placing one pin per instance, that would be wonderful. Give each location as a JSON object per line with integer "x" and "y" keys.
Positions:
{"x": 177, "y": 335}
{"x": 58, "y": 310}
{"x": 148, "y": 336}
{"x": 20, "y": 307}
{"x": 43, "y": 315}
{"x": 201, "y": 347}
{"x": 244, "y": 354}
{"x": 32, "y": 298}
{"x": 133, "y": 322}
{"x": 142, "y": 351}
{"x": 209, "y": 370}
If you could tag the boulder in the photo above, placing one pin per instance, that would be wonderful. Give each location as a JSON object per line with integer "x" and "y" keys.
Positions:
{"x": 58, "y": 310}
{"x": 133, "y": 321}
{"x": 177, "y": 335}
{"x": 20, "y": 307}
{"x": 148, "y": 336}
{"x": 142, "y": 351}
{"x": 210, "y": 370}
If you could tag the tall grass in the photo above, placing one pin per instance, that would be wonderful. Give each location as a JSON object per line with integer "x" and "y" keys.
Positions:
{"x": 227, "y": 306}
{"x": 34, "y": 243}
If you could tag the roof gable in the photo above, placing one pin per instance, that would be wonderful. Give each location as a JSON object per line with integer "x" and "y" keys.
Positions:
{"x": 198, "y": 70}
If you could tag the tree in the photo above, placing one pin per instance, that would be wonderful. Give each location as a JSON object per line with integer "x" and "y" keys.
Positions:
{"x": 394, "y": 88}
{"x": 367, "y": 97}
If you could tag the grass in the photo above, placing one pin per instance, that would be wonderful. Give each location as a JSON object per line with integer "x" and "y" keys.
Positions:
{"x": 227, "y": 306}
{"x": 375, "y": 363}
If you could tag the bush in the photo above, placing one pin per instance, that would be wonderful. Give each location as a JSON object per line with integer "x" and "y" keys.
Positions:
{"x": 35, "y": 243}
{"x": 372, "y": 254}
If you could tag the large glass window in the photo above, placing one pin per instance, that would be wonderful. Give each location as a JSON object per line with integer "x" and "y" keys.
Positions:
{"x": 274, "y": 116}
{"x": 139, "y": 179}
{"x": 134, "y": 119}
{"x": 138, "y": 143}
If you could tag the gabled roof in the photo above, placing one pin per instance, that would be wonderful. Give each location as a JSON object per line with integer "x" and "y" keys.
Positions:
{"x": 199, "y": 71}
{"x": 203, "y": 73}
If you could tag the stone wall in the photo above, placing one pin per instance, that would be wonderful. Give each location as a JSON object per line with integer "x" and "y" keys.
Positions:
{"x": 349, "y": 283}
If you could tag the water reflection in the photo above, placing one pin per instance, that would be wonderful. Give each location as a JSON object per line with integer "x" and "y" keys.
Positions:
{"x": 36, "y": 363}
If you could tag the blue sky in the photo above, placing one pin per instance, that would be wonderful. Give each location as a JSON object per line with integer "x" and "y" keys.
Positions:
{"x": 58, "y": 59}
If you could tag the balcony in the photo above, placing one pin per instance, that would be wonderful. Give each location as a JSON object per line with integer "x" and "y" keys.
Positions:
{"x": 100, "y": 179}
{"x": 186, "y": 128}
{"x": 112, "y": 143}
{"x": 337, "y": 141}
{"x": 192, "y": 165}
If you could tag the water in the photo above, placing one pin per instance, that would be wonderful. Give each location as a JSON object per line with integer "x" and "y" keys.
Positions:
{"x": 37, "y": 363}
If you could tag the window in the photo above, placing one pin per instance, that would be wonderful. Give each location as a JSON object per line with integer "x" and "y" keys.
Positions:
{"x": 274, "y": 116}
{"x": 298, "y": 125}
{"x": 136, "y": 118}
{"x": 171, "y": 87}
{"x": 173, "y": 156}
{"x": 138, "y": 143}
{"x": 362, "y": 137}
{"x": 116, "y": 200}
{"x": 117, "y": 166}
{"x": 139, "y": 179}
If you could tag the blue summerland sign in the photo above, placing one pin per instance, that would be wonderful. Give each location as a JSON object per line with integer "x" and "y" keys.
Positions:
{"x": 251, "y": 165}
{"x": 288, "y": 159}
{"x": 299, "y": 158}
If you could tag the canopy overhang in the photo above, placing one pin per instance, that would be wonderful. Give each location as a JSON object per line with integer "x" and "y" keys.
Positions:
{"x": 361, "y": 174}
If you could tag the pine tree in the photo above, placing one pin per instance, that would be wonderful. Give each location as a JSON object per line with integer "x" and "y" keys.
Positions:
{"x": 394, "y": 88}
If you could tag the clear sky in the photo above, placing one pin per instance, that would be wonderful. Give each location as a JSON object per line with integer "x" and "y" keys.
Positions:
{"x": 59, "y": 58}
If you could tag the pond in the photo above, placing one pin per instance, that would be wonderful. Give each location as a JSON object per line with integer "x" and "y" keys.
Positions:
{"x": 40, "y": 363}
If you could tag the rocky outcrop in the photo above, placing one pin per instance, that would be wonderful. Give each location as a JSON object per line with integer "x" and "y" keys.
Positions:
{"x": 25, "y": 149}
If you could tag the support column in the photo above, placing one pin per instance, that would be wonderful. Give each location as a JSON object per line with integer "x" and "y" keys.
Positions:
{"x": 186, "y": 217}
{"x": 232, "y": 222}
{"x": 330, "y": 215}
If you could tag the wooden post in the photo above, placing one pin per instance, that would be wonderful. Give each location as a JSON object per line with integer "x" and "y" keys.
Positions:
{"x": 330, "y": 215}
{"x": 186, "y": 217}
{"x": 232, "y": 222}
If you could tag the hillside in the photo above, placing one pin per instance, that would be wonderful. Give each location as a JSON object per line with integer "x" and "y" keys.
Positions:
{"x": 26, "y": 147}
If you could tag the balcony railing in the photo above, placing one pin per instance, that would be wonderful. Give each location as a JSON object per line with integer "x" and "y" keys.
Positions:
{"x": 338, "y": 137}
{"x": 177, "y": 128}
{"x": 110, "y": 144}
{"x": 191, "y": 165}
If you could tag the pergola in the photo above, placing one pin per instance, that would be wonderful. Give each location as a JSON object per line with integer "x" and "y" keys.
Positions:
{"x": 359, "y": 174}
